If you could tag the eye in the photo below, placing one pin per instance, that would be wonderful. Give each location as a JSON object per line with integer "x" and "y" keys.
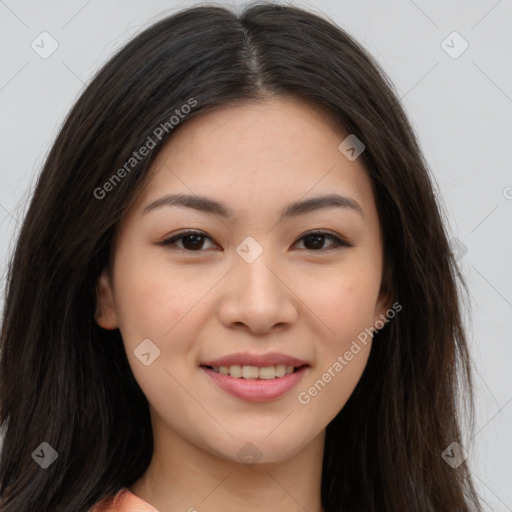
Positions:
{"x": 317, "y": 239}
{"x": 193, "y": 241}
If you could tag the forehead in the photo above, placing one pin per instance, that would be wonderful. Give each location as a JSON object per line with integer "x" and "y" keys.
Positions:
{"x": 262, "y": 153}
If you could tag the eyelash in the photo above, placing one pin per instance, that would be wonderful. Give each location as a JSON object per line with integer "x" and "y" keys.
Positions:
{"x": 338, "y": 242}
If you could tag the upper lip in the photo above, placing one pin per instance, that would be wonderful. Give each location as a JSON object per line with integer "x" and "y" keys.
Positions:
{"x": 261, "y": 360}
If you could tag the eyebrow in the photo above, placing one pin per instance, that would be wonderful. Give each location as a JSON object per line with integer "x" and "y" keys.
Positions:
{"x": 207, "y": 205}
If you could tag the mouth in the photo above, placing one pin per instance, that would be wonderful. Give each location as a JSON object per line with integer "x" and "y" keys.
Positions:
{"x": 256, "y": 377}
{"x": 255, "y": 372}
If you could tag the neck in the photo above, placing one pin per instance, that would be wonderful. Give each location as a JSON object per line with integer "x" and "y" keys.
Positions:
{"x": 183, "y": 476}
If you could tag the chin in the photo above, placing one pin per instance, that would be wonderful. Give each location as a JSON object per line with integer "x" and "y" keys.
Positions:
{"x": 256, "y": 450}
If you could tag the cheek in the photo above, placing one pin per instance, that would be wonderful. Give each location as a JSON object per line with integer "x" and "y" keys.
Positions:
{"x": 152, "y": 297}
{"x": 342, "y": 300}
{"x": 333, "y": 382}
{"x": 342, "y": 356}
{"x": 345, "y": 305}
{"x": 157, "y": 303}
{"x": 154, "y": 303}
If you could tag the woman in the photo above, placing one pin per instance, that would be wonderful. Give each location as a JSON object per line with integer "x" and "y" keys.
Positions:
{"x": 233, "y": 287}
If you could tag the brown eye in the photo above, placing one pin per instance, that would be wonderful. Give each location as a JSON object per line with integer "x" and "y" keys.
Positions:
{"x": 190, "y": 241}
{"x": 316, "y": 239}
{"x": 193, "y": 241}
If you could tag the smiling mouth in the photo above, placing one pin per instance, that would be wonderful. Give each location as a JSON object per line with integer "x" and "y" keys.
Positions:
{"x": 255, "y": 372}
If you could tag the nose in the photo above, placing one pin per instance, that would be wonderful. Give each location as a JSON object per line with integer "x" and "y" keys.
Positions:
{"x": 257, "y": 297}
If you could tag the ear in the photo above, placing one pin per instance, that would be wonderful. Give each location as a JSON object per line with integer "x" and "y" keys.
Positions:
{"x": 384, "y": 303}
{"x": 386, "y": 294}
{"x": 105, "y": 314}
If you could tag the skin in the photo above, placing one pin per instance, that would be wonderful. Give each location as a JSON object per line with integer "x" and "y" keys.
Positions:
{"x": 305, "y": 300}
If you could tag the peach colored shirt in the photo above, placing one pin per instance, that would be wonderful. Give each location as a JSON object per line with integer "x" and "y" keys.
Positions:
{"x": 124, "y": 501}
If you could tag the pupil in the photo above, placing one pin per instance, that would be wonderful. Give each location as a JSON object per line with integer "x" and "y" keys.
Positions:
{"x": 196, "y": 241}
{"x": 318, "y": 240}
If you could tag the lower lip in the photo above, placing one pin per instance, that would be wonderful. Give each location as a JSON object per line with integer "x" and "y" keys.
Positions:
{"x": 256, "y": 390}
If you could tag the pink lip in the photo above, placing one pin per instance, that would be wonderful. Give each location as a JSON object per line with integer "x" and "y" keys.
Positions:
{"x": 260, "y": 360}
{"x": 256, "y": 390}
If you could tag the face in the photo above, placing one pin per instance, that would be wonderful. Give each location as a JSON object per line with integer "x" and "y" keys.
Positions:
{"x": 257, "y": 284}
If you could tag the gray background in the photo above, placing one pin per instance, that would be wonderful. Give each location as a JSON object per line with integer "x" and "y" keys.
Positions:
{"x": 460, "y": 107}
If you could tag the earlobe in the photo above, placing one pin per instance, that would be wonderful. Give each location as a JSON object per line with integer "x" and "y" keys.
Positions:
{"x": 105, "y": 314}
{"x": 383, "y": 307}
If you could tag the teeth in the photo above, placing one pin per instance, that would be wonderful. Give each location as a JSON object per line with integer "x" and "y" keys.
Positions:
{"x": 234, "y": 371}
{"x": 250, "y": 372}
{"x": 267, "y": 373}
{"x": 280, "y": 370}
{"x": 255, "y": 372}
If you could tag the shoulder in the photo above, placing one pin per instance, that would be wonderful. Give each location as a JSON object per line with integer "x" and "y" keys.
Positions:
{"x": 123, "y": 501}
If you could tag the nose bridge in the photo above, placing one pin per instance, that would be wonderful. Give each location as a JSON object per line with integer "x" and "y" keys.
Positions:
{"x": 257, "y": 294}
{"x": 253, "y": 270}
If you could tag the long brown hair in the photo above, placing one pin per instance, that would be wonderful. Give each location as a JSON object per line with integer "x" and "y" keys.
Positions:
{"x": 67, "y": 382}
